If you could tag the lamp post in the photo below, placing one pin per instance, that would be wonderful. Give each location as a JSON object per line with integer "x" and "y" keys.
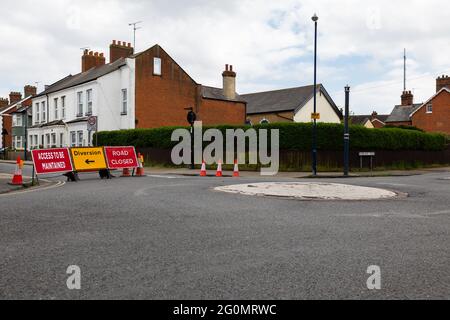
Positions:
{"x": 315, "y": 18}
{"x": 347, "y": 133}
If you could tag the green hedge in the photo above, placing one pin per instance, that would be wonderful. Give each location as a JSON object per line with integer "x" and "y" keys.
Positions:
{"x": 295, "y": 136}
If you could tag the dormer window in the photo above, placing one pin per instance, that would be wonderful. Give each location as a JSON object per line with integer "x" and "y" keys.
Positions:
{"x": 430, "y": 108}
{"x": 157, "y": 66}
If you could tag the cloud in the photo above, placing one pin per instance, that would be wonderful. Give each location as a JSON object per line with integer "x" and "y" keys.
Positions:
{"x": 269, "y": 43}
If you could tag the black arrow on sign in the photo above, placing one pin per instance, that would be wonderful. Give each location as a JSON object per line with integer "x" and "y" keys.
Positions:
{"x": 88, "y": 162}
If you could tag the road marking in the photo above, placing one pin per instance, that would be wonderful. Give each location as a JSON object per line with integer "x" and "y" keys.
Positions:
{"x": 163, "y": 177}
{"x": 142, "y": 192}
{"x": 396, "y": 184}
{"x": 34, "y": 189}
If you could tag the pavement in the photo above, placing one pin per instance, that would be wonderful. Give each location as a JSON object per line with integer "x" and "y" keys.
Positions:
{"x": 171, "y": 236}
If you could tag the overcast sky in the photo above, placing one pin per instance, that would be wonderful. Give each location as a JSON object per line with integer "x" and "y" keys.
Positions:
{"x": 270, "y": 44}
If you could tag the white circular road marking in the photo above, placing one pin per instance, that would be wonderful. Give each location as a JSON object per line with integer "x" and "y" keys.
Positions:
{"x": 310, "y": 191}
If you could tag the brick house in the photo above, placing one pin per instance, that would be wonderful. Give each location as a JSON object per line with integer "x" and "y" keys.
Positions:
{"x": 434, "y": 115}
{"x": 400, "y": 116}
{"x": 144, "y": 90}
{"x": 431, "y": 116}
{"x": 370, "y": 121}
{"x": 164, "y": 90}
{"x": 9, "y": 120}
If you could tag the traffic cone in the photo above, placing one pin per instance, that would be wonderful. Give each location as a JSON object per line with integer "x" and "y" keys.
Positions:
{"x": 140, "y": 169}
{"x": 18, "y": 179}
{"x": 126, "y": 173}
{"x": 203, "y": 172}
{"x": 236, "y": 170}
{"x": 219, "y": 173}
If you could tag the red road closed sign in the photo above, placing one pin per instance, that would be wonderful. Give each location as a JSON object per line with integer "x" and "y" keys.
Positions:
{"x": 121, "y": 157}
{"x": 52, "y": 161}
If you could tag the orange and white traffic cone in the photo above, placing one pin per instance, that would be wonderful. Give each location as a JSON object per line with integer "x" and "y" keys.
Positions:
{"x": 219, "y": 173}
{"x": 126, "y": 173}
{"x": 140, "y": 169}
{"x": 18, "y": 179}
{"x": 236, "y": 170}
{"x": 203, "y": 172}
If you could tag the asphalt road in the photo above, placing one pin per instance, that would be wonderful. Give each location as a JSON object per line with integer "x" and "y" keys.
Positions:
{"x": 176, "y": 238}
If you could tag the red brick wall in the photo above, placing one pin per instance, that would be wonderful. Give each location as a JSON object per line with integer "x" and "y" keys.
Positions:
{"x": 7, "y": 124}
{"x": 439, "y": 120}
{"x": 216, "y": 112}
{"x": 161, "y": 100}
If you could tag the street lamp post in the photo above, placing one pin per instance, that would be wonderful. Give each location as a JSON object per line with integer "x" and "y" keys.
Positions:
{"x": 347, "y": 133}
{"x": 315, "y": 18}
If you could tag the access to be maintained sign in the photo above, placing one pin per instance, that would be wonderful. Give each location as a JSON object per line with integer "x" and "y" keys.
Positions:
{"x": 88, "y": 159}
{"x": 121, "y": 157}
{"x": 52, "y": 161}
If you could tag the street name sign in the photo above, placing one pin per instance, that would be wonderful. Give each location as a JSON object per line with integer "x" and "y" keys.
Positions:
{"x": 121, "y": 158}
{"x": 367, "y": 154}
{"x": 88, "y": 159}
{"x": 315, "y": 116}
{"x": 48, "y": 161}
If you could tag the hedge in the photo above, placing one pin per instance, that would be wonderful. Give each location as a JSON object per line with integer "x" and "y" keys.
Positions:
{"x": 294, "y": 136}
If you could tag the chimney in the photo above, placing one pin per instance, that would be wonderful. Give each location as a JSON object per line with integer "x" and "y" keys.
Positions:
{"x": 29, "y": 91}
{"x": 15, "y": 97}
{"x": 229, "y": 83}
{"x": 407, "y": 98}
{"x": 442, "y": 82}
{"x": 119, "y": 50}
{"x": 91, "y": 60}
{"x": 374, "y": 115}
{"x": 4, "y": 102}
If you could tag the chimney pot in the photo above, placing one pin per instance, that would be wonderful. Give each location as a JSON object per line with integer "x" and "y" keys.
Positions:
{"x": 114, "y": 42}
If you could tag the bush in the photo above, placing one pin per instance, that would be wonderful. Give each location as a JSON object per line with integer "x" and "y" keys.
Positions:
{"x": 404, "y": 127}
{"x": 295, "y": 136}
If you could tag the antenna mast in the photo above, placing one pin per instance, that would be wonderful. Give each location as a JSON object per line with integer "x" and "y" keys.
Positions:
{"x": 404, "y": 71}
{"x": 135, "y": 28}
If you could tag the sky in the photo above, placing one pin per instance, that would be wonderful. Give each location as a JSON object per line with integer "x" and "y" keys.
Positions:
{"x": 270, "y": 44}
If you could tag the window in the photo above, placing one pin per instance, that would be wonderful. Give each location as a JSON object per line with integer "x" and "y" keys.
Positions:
{"x": 42, "y": 141}
{"x": 80, "y": 104}
{"x": 73, "y": 139}
{"x": 430, "y": 108}
{"x": 53, "y": 140}
{"x": 63, "y": 107}
{"x": 17, "y": 120}
{"x": 47, "y": 140}
{"x": 157, "y": 66}
{"x": 30, "y": 142}
{"x": 18, "y": 142}
{"x": 89, "y": 102}
{"x": 36, "y": 141}
{"x": 56, "y": 109}
{"x": 37, "y": 114}
{"x": 124, "y": 101}
{"x": 61, "y": 139}
{"x": 80, "y": 138}
{"x": 44, "y": 113}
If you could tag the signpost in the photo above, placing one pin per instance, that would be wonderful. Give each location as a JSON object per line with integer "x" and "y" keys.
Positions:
{"x": 88, "y": 159}
{"x": 370, "y": 155}
{"x": 52, "y": 161}
{"x": 92, "y": 126}
{"x": 121, "y": 158}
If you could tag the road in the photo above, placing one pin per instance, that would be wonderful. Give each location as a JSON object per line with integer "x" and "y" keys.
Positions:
{"x": 173, "y": 237}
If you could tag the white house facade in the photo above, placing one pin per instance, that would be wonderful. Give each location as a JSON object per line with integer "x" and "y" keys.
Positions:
{"x": 291, "y": 105}
{"x": 60, "y": 113}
